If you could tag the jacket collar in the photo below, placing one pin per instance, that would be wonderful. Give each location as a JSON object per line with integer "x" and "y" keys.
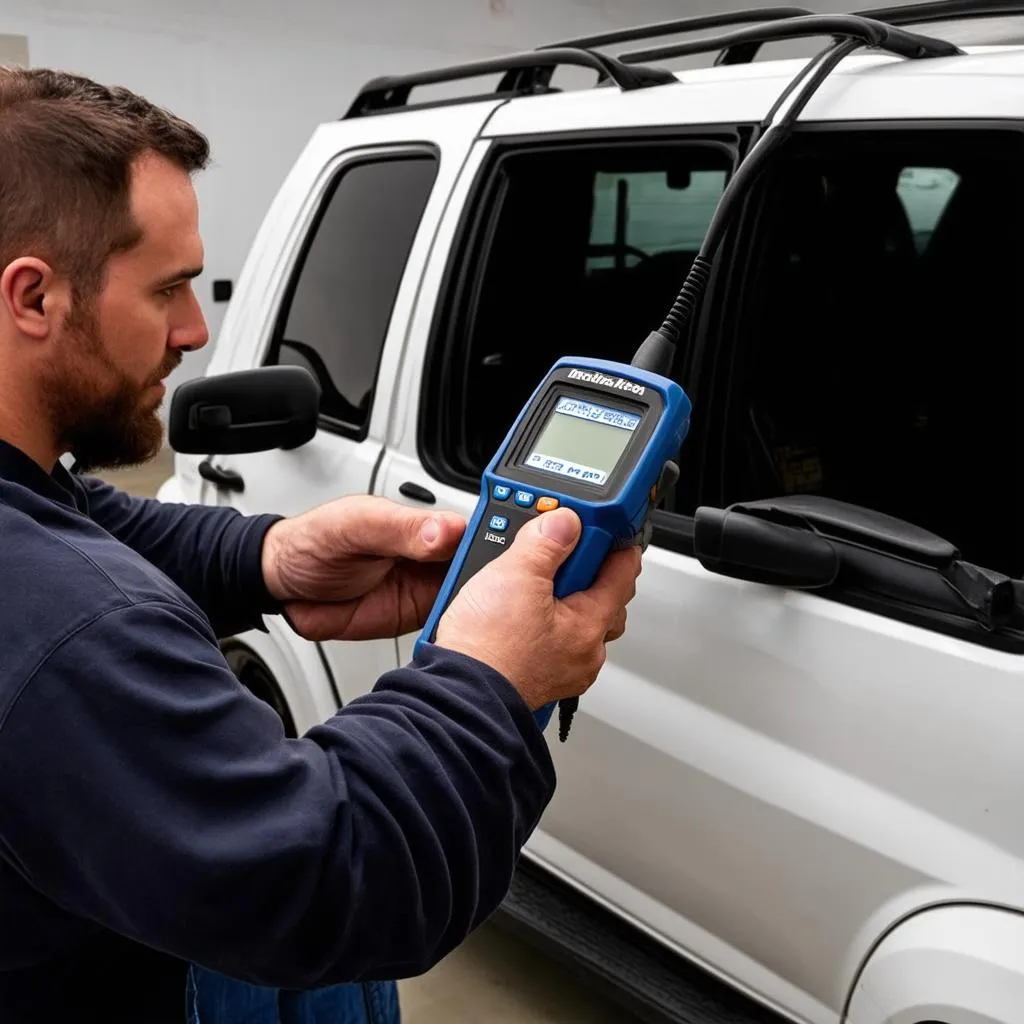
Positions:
{"x": 60, "y": 485}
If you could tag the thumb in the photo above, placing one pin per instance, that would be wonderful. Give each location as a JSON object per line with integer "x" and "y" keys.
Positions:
{"x": 545, "y": 542}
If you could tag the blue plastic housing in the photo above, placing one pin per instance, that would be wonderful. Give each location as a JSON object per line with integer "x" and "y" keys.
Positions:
{"x": 620, "y": 516}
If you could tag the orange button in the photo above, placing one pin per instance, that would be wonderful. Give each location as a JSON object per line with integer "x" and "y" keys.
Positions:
{"x": 546, "y": 504}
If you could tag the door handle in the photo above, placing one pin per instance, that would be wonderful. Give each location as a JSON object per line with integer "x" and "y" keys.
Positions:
{"x": 225, "y": 479}
{"x": 417, "y": 493}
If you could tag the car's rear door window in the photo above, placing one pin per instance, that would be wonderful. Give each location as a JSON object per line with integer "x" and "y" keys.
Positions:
{"x": 874, "y": 348}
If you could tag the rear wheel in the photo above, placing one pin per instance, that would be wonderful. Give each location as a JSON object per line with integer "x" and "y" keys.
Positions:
{"x": 252, "y": 672}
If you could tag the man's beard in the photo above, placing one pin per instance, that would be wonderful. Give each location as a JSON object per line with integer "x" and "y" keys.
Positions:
{"x": 95, "y": 408}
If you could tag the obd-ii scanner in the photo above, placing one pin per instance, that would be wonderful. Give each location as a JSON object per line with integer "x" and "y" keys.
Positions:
{"x": 597, "y": 437}
{"x": 600, "y": 437}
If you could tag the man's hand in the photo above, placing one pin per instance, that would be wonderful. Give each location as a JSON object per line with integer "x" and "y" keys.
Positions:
{"x": 507, "y": 616}
{"x": 359, "y": 568}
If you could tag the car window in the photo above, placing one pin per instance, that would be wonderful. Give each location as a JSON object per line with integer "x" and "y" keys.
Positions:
{"x": 576, "y": 251}
{"x": 339, "y": 304}
{"x": 877, "y": 343}
{"x": 650, "y": 212}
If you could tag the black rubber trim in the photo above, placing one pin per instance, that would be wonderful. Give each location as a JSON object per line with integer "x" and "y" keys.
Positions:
{"x": 617, "y": 960}
{"x": 853, "y": 524}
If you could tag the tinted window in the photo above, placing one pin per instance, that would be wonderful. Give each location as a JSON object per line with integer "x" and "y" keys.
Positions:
{"x": 579, "y": 251}
{"x": 879, "y": 338}
{"x": 651, "y": 212}
{"x": 339, "y": 307}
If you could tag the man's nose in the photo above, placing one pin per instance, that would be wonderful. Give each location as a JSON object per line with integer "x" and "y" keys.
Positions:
{"x": 191, "y": 332}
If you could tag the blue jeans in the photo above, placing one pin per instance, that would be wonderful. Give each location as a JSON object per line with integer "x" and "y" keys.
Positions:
{"x": 215, "y": 999}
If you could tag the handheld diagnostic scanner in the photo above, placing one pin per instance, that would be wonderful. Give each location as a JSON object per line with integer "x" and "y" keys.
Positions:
{"x": 598, "y": 436}
{"x": 595, "y": 437}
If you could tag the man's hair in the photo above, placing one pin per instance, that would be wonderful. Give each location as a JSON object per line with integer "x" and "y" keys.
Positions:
{"x": 67, "y": 146}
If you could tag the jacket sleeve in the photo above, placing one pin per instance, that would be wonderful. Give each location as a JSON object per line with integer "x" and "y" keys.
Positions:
{"x": 183, "y": 818}
{"x": 213, "y": 554}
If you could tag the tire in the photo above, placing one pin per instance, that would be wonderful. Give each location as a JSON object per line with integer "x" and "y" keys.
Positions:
{"x": 252, "y": 672}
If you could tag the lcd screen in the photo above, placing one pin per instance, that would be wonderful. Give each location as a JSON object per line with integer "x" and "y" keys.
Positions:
{"x": 582, "y": 440}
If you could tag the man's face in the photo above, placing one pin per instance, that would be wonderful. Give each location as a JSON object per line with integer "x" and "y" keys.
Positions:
{"x": 104, "y": 384}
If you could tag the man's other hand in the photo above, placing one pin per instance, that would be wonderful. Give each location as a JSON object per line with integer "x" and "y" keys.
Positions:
{"x": 359, "y": 568}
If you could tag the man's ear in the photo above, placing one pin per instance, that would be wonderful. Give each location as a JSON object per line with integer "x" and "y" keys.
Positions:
{"x": 33, "y": 296}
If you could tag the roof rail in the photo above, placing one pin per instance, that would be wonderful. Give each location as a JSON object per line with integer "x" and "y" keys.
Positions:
{"x": 944, "y": 10}
{"x": 904, "y": 14}
{"x": 692, "y": 24}
{"x": 740, "y": 46}
{"x": 526, "y": 73}
{"x": 530, "y": 72}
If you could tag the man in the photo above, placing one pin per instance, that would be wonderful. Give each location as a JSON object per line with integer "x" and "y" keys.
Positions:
{"x": 152, "y": 813}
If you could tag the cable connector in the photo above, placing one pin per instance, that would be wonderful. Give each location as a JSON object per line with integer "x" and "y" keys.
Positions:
{"x": 656, "y": 354}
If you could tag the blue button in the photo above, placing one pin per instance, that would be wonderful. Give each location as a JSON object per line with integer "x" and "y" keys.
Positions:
{"x": 499, "y": 523}
{"x": 501, "y": 492}
{"x": 524, "y": 498}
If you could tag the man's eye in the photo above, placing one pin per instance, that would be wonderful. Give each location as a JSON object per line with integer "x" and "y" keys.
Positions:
{"x": 168, "y": 293}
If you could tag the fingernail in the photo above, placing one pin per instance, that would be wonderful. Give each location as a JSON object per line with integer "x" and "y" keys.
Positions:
{"x": 430, "y": 531}
{"x": 559, "y": 526}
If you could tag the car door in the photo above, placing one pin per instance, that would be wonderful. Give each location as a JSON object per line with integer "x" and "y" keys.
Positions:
{"x": 332, "y": 277}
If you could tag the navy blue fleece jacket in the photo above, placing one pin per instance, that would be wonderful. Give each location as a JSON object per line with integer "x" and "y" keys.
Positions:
{"x": 153, "y": 813}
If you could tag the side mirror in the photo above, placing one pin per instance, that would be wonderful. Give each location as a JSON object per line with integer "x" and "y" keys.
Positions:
{"x": 245, "y": 411}
{"x": 733, "y": 542}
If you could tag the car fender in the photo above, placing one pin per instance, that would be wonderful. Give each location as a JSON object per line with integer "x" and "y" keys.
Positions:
{"x": 171, "y": 491}
{"x": 961, "y": 964}
{"x": 297, "y": 668}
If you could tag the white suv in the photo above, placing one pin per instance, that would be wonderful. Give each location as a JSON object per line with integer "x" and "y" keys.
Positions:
{"x": 796, "y": 790}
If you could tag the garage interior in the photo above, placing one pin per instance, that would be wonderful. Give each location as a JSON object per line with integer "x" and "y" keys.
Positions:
{"x": 257, "y": 77}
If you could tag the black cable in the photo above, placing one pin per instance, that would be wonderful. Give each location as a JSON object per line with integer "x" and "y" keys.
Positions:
{"x": 658, "y": 350}
{"x": 697, "y": 279}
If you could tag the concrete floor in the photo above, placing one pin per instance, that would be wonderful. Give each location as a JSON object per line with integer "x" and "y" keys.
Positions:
{"x": 493, "y": 977}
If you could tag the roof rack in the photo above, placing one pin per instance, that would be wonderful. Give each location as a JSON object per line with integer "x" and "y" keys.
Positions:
{"x": 944, "y": 10}
{"x": 905, "y": 14}
{"x": 530, "y": 72}
{"x": 527, "y": 73}
{"x": 679, "y": 25}
{"x": 741, "y": 45}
